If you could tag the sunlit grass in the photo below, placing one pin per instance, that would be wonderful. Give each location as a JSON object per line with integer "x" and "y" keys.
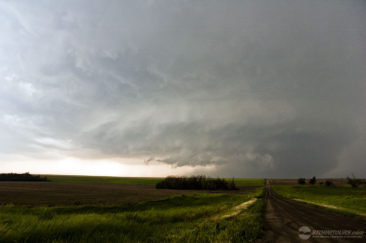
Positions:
{"x": 186, "y": 218}
{"x": 348, "y": 199}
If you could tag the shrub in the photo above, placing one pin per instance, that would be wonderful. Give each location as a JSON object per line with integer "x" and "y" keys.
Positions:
{"x": 312, "y": 181}
{"x": 301, "y": 181}
{"x": 329, "y": 183}
{"x": 232, "y": 185}
{"x": 355, "y": 182}
{"x": 196, "y": 182}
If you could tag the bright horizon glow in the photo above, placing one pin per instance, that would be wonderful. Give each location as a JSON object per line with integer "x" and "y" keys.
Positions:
{"x": 74, "y": 166}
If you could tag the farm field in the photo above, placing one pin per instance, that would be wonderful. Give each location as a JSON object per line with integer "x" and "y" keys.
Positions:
{"x": 113, "y": 209}
{"x": 147, "y": 181}
{"x": 60, "y": 193}
{"x": 343, "y": 198}
{"x": 293, "y": 182}
{"x": 198, "y": 217}
{"x": 81, "y": 190}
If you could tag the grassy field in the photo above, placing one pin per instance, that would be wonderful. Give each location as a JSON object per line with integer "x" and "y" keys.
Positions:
{"x": 343, "y": 198}
{"x": 188, "y": 218}
{"x": 148, "y": 181}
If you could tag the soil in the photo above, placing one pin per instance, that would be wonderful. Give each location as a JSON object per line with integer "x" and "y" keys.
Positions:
{"x": 59, "y": 193}
{"x": 65, "y": 193}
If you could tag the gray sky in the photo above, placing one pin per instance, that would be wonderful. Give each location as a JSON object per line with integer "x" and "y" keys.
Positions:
{"x": 273, "y": 88}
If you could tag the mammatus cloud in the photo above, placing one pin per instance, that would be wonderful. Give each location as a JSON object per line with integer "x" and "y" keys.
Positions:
{"x": 253, "y": 88}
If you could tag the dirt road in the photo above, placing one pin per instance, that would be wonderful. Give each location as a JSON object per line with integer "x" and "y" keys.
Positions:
{"x": 284, "y": 218}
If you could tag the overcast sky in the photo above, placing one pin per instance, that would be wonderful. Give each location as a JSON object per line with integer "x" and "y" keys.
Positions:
{"x": 273, "y": 88}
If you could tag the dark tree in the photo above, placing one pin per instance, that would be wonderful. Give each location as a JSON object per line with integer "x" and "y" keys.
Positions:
{"x": 196, "y": 183}
{"x": 21, "y": 177}
{"x": 329, "y": 183}
{"x": 312, "y": 181}
{"x": 355, "y": 182}
{"x": 301, "y": 181}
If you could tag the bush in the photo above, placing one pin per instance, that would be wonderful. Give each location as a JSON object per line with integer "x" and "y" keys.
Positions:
{"x": 329, "y": 183}
{"x": 354, "y": 182}
{"x": 301, "y": 181}
{"x": 21, "y": 177}
{"x": 312, "y": 181}
{"x": 196, "y": 182}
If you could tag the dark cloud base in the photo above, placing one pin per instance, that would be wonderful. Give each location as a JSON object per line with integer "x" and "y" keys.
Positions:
{"x": 272, "y": 88}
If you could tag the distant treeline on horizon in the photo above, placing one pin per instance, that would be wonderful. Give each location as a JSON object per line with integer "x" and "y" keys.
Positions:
{"x": 21, "y": 177}
{"x": 196, "y": 183}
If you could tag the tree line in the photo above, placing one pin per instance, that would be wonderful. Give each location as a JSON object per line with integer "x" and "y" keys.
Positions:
{"x": 353, "y": 181}
{"x": 21, "y": 177}
{"x": 196, "y": 183}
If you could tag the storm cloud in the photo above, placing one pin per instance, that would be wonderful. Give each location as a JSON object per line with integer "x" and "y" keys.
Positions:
{"x": 272, "y": 88}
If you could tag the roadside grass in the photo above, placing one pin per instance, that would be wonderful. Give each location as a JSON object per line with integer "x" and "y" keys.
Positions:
{"x": 147, "y": 181}
{"x": 186, "y": 218}
{"x": 343, "y": 198}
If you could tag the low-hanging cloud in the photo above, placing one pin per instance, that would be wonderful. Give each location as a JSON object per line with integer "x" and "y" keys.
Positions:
{"x": 256, "y": 88}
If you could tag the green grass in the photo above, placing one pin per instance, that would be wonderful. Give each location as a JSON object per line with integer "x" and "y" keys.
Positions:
{"x": 186, "y": 218}
{"x": 148, "y": 181}
{"x": 348, "y": 199}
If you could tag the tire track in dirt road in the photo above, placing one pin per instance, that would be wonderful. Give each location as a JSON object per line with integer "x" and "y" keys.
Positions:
{"x": 284, "y": 217}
